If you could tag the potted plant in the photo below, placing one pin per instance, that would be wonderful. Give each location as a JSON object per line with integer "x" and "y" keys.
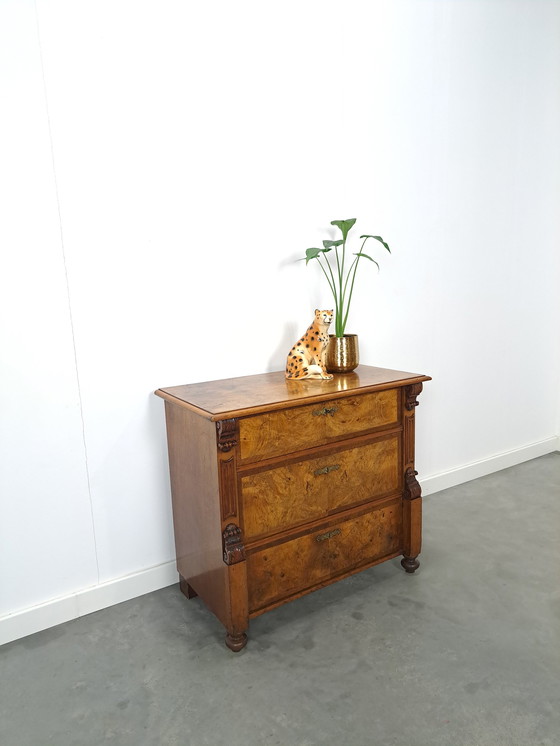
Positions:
{"x": 342, "y": 352}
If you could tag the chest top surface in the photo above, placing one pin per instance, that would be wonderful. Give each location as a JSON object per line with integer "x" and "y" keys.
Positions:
{"x": 237, "y": 397}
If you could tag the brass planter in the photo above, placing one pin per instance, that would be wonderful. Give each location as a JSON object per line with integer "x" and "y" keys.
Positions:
{"x": 342, "y": 353}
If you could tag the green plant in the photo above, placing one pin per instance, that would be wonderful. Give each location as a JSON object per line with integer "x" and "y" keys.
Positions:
{"x": 338, "y": 281}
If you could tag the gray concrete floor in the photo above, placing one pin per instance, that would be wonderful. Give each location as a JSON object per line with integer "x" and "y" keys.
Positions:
{"x": 466, "y": 652}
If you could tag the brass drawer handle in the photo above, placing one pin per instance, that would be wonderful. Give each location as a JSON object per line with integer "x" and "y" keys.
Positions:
{"x": 328, "y": 535}
{"x": 326, "y": 469}
{"x": 324, "y": 412}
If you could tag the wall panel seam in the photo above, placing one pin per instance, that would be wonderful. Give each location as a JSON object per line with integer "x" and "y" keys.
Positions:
{"x": 68, "y": 294}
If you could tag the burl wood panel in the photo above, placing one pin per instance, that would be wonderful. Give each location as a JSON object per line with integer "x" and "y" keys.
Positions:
{"x": 288, "y": 496}
{"x": 278, "y": 433}
{"x": 266, "y": 392}
{"x": 287, "y": 569}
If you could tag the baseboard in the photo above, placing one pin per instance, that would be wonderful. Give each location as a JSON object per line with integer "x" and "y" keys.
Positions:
{"x": 64, "y": 609}
{"x": 453, "y": 477}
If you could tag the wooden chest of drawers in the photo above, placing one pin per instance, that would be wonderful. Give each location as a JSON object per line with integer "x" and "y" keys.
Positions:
{"x": 281, "y": 487}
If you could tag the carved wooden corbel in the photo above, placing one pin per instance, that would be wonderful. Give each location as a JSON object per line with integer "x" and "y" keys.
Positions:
{"x": 412, "y": 488}
{"x": 227, "y": 434}
{"x": 411, "y": 392}
{"x": 234, "y": 550}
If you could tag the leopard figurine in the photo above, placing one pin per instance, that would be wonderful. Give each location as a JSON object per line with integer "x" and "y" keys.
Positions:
{"x": 306, "y": 359}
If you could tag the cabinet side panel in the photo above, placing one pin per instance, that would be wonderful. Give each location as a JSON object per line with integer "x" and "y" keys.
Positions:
{"x": 196, "y": 506}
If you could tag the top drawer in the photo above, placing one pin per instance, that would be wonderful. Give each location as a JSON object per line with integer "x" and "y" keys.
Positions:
{"x": 285, "y": 431}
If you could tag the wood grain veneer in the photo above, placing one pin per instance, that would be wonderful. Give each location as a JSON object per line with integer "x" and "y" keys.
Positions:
{"x": 287, "y": 430}
{"x": 292, "y": 567}
{"x": 266, "y": 392}
{"x": 315, "y": 487}
{"x": 280, "y": 487}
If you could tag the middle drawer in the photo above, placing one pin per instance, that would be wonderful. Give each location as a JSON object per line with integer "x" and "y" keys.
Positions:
{"x": 280, "y": 498}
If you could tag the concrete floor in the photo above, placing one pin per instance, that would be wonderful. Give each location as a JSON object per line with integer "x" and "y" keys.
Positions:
{"x": 464, "y": 653}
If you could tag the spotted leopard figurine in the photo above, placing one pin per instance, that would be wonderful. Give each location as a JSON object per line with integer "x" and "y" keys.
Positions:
{"x": 306, "y": 359}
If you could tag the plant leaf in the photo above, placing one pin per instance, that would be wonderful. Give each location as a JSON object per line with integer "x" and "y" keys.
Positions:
{"x": 378, "y": 238}
{"x": 361, "y": 253}
{"x": 312, "y": 254}
{"x": 329, "y": 244}
{"x": 344, "y": 226}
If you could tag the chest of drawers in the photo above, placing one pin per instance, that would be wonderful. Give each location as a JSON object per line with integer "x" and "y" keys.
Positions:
{"x": 281, "y": 487}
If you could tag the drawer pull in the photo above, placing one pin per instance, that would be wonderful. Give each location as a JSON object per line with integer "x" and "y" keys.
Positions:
{"x": 326, "y": 469}
{"x": 324, "y": 411}
{"x": 328, "y": 535}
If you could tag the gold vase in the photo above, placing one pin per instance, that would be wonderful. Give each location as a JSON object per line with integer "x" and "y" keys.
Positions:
{"x": 342, "y": 353}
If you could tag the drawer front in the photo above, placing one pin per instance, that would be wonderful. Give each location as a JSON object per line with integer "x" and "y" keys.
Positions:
{"x": 289, "y": 430}
{"x": 287, "y": 496}
{"x": 298, "y": 565}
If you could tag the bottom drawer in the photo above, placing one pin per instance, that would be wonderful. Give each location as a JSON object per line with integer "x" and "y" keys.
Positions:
{"x": 295, "y": 566}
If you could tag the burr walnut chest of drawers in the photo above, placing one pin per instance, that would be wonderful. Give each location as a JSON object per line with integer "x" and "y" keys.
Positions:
{"x": 281, "y": 487}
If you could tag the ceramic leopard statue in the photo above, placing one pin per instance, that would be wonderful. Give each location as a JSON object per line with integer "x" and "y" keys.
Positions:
{"x": 306, "y": 359}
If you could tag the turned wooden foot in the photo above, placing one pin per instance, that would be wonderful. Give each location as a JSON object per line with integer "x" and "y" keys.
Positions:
{"x": 410, "y": 564}
{"x": 236, "y": 642}
{"x": 186, "y": 589}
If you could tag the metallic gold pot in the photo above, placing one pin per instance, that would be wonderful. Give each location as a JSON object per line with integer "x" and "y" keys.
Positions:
{"x": 342, "y": 353}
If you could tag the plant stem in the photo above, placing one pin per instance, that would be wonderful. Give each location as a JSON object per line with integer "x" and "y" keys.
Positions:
{"x": 338, "y": 327}
{"x": 355, "y": 265}
{"x": 342, "y": 323}
{"x": 332, "y": 277}
{"x": 337, "y": 264}
{"x": 347, "y": 278}
{"x": 332, "y": 284}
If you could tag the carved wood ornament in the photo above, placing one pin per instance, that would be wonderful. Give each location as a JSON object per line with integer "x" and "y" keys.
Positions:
{"x": 234, "y": 550}
{"x": 412, "y": 488}
{"x": 412, "y": 391}
{"x": 227, "y": 434}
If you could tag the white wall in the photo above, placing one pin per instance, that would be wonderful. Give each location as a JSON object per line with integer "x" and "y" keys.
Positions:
{"x": 157, "y": 185}
{"x": 47, "y": 544}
